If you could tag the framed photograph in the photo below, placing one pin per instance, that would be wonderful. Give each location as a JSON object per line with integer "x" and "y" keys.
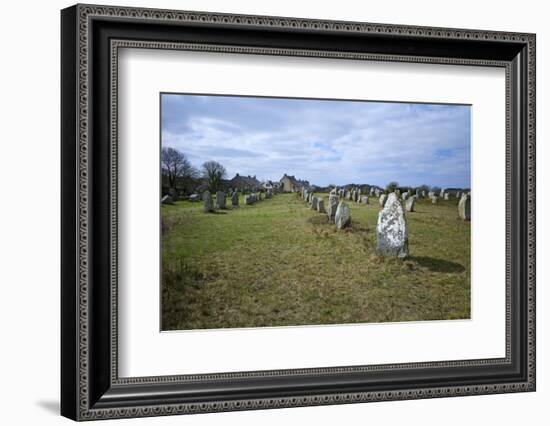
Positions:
{"x": 263, "y": 212}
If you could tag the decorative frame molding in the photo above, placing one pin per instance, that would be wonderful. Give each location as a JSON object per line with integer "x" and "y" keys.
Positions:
{"x": 91, "y": 37}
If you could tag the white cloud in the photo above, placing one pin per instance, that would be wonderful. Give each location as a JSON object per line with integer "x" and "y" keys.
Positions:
{"x": 325, "y": 142}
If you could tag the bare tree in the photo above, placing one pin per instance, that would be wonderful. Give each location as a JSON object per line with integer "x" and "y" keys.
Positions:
{"x": 213, "y": 172}
{"x": 176, "y": 165}
{"x": 392, "y": 186}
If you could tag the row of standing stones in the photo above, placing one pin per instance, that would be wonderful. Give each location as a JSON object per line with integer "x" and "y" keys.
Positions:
{"x": 391, "y": 229}
{"x": 234, "y": 195}
{"x": 221, "y": 203}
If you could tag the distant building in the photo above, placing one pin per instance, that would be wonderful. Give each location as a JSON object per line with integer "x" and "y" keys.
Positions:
{"x": 245, "y": 183}
{"x": 291, "y": 184}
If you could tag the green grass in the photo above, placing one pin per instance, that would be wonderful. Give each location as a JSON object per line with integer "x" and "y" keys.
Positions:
{"x": 277, "y": 263}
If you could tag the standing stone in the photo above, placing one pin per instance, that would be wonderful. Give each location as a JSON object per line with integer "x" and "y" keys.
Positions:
{"x": 442, "y": 193}
{"x": 321, "y": 206}
{"x": 348, "y": 195}
{"x": 431, "y": 194}
{"x": 235, "y": 199}
{"x": 423, "y": 194}
{"x": 398, "y": 192}
{"x": 342, "y": 217}
{"x": 391, "y": 230}
{"x": 458, "y": 195}
{"x": 332, "y": 206}
{"x": 248, "y": 199}
{"x": 208, "y": 202}
{"x": 464, "y": 207}
{"x": 220, "y": 200}
{"x": 167, "y": 199}
{"x": 409, "y": 204}
{"x": 417, "y": 193}
{"x": 405, "y": 195}
{"x": 365, "y": 199}
{"x": 259, "y": 197}
{"x": 314, "y": 203}
{"x": 371, "y": 191}
{"x": 382, "y": 200}
{"x": 434, "y": 199}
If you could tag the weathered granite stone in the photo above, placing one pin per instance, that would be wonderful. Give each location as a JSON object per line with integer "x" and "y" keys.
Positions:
{"x": 409, "y": 204}
{"x": 220, "y": 200}
{"x": 365, "y": 199}
{"x": 321, "y": 205}
{"x": 371, "y": 192}
{"x": 405, "y": 195}
{"x": 391, "y": 230}
{"x": 249, "y": 199}
{"x": 332, "y": 206}
{"x": 464, "y": 207}
{"x": 167, "y": 199}
{"x": 194, "y": 197}
{"x": 431, "y": 194}
{"x": 208, "y": 202}
{"x": 423, "y": 194}
{"x": 343, "y": 216}
{"x": 446, "y": 196}
{"x": 259, "y": 196}
{"x": 382, "y": 200}
{"x": 348, "y": 195}
{"x": 434, "y": 199}
{"x": 314, "y": 201}
{"x": 235, "y": 199}
{"x": 417, "y": 193}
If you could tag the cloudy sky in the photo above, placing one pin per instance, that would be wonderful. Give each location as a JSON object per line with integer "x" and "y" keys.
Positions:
{"x": 323, "y": 141}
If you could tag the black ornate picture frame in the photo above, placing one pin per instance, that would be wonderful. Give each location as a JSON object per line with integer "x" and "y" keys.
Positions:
{"x": 90, "y": 385}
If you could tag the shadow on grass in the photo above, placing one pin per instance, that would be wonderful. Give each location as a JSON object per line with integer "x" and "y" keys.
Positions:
{"x": 218, "y": 212}
{"x": 320, "y": 219}
{"x": 438, "y": 265}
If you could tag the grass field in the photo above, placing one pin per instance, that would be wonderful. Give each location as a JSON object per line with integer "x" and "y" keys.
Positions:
{"x": 277, "y": 263}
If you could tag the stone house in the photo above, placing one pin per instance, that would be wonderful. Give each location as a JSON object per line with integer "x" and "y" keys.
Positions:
{"x": 291, "y": 184}
{"x": 245, "y": 183}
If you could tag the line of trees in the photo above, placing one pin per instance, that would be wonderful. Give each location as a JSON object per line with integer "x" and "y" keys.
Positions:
{"x": 177, "y": 168}
{"x": 392, "y": 186}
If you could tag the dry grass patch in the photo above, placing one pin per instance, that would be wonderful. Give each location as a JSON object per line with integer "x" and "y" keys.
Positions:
{"x": 277, "y": 263}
